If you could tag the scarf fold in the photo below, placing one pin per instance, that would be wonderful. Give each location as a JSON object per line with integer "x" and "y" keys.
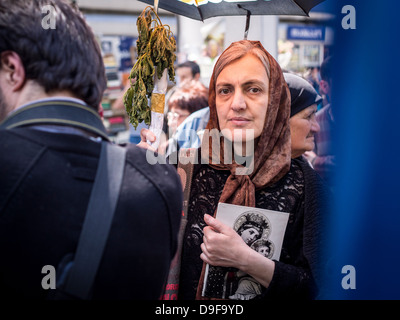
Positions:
{"x": 272, "y": 154}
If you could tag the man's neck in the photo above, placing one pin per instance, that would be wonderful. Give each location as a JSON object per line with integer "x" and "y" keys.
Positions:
{"x": 33, "y": 92}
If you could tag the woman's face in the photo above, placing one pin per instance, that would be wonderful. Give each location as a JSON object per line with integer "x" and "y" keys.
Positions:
{"x": 175, "y": 117}
{"x": 242, "y": 98}
{"x": 250, "y": 235}
{"x": 303, "y": 126}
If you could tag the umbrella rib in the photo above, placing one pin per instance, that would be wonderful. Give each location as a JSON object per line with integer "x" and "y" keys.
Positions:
{"x": 248, "y": 13}
{"x": 198, "y": 9}
{"x": 301, "y": 8}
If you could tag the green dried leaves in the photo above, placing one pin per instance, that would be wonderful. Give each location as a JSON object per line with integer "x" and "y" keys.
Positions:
{"x": 156, "y": 51}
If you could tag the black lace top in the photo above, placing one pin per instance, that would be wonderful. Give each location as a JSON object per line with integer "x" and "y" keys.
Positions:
{"x": 292, "y": 274}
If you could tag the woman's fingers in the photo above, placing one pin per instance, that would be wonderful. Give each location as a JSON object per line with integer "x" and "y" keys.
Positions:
{"x": 145, "y": 136}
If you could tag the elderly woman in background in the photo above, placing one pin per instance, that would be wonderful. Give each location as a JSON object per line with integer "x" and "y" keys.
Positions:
{"x": 303, "y": 125}
{"x": 248, "y": 93}
{"x": 191, "y": 96}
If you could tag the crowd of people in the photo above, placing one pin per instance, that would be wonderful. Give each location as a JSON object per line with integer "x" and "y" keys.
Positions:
{"x": 272, "y": 151}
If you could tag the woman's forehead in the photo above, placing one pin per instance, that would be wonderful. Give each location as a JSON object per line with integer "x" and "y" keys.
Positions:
{"x": 248, "y": 64}
{"x": 246, "y": 69}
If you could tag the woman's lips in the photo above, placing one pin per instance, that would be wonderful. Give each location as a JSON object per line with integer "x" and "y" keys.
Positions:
{"x": 239, "y": 121}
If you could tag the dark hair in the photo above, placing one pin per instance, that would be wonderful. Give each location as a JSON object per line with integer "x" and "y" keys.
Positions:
{"x": 191, "y": 96}
{"x": 192, "y": 65}
{"x": 326, "y": 69}
{"x": 65, "y": 58}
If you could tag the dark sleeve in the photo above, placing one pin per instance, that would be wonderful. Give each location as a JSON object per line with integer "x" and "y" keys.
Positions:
{"x": 167, "y": 183}
{"x": 304, "y": 279}
{"x": 294, "y": 279}
{"x": 144, "y": 236}
{"x": 291, "y": 282}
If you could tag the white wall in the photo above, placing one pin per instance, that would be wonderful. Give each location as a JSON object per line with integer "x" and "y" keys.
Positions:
{"x": 262, "y": 28}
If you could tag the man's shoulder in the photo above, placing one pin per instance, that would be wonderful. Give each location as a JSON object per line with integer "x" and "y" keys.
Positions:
{"x": 154, "y": 167}
{"x": 16, "y": 141}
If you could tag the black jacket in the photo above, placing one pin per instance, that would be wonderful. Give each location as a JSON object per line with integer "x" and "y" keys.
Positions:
{"x": 45, "y": 183}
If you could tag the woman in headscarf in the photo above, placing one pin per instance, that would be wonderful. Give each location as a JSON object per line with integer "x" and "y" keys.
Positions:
{"x": 248, "y": 94}
{"x": 303, "y": 124}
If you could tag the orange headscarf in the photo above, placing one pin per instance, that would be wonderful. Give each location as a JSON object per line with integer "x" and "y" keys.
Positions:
{"x": 272, "y": 153}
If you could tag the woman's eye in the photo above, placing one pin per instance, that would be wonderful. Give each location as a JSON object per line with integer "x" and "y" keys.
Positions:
{"x": 254, "y": 90}
{"x": 223, "y": 91}
{"x": 311, "y": 115}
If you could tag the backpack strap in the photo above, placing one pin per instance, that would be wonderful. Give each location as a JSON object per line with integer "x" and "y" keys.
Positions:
{"x": 98, "y": 220}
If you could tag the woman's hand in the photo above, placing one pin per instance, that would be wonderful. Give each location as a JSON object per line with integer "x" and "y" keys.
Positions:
{"x": 146, "y": 135}
{"x": 222, "y": 246}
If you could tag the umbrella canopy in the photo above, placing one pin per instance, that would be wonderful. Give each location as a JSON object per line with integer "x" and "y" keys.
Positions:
{"x": 204, "y": 9}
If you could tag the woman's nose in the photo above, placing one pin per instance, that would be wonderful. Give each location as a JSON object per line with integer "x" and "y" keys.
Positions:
{"x": 315, "y": 127}
{"x": 238, "y": 102}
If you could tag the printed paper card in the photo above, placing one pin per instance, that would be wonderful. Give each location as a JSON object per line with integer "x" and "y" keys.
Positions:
{"x": 263, "y": 230}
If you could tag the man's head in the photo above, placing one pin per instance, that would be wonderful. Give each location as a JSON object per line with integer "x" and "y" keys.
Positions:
{"x": 187, "y": 71}
{"x": 48, "y": 45}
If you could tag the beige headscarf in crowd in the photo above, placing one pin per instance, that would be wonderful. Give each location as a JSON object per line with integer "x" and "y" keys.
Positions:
{"x": 272, "y": 154}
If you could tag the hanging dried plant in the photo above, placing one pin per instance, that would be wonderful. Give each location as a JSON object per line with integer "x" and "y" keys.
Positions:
{"x": 156, "y": 48}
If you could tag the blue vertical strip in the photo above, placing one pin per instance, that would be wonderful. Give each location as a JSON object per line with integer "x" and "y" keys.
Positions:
{"x": 364, "y": 227}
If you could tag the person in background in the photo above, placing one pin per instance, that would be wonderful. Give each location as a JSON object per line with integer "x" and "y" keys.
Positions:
{"x": 303, "y": 107}
{"x": 248, "y": 92}
{"x": 188, "y": 70}
{"x": 324, "y": 159}
{"x": 312, "y": 75}
{"x": 191, "y": 96}
{"x": 190, "y": 132}
{"x": 51, "y": 84}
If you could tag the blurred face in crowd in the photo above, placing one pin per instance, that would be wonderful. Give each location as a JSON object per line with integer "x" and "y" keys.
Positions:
{"x": 175, "y": 117}
{"x": 184, "y": 74}
{"x": 242, "y": 98}
{"x": 303, "y": 126}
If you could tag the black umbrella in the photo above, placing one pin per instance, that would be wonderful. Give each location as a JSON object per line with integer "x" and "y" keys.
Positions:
{"x": 204, "y": 9}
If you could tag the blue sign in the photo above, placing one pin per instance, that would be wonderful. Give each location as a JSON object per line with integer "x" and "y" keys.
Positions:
{"x": 125, "y": 45}
{"x": 306, "y": 33}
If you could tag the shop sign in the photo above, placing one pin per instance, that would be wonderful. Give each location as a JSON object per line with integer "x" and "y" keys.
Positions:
{"x": 306, "y": 33}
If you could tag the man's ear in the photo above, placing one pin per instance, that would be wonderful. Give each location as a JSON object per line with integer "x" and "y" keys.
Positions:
{"x": 13, "y": 68}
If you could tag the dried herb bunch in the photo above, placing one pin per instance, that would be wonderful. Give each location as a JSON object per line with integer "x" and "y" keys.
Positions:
{"x": 156, "y": 52}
